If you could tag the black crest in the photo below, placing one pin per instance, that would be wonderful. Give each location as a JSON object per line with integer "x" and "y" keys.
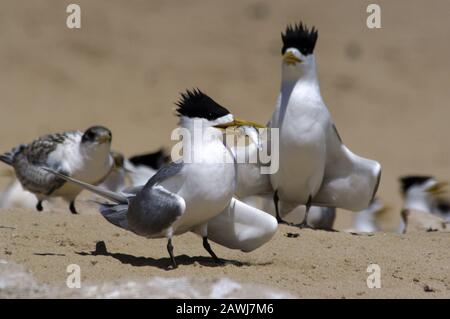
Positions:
{"x": 409, "y": 181}
{"x": 299, "y": 37}
{"x": 195, "y": 103}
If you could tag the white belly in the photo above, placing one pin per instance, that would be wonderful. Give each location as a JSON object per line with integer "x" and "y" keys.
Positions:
{"x": 302, "y": 152}
{"x": 206, "y": 191}
{"x": 91, "y": 173}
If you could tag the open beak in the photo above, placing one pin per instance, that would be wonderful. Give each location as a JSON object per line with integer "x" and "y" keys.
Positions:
{"x": 438, "y": 188}
{"x": 239, "y": 122}
{"x": 290, "y": 59}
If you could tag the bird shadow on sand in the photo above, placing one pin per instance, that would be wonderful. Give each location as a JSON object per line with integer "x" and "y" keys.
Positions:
{"x": 48, "y": 254}
{"x": 163, "y": 263}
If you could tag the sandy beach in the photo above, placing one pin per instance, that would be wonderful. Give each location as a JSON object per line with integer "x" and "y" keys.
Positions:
{"x": 387, "y": 91}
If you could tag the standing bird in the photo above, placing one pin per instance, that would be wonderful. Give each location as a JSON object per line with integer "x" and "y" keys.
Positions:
{"x": 182, "y": 196}
{"x": 421, "y": 194}
{"x": 315, "y": 167}
{"x": 85, "y": 156}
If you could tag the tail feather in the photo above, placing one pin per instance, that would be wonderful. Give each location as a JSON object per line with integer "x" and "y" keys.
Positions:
{"x": 114, "y": 196}
{"x": 116, "y": 214}
{"x": 8, "y": 157}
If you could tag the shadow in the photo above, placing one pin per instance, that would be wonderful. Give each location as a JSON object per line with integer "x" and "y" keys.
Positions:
{"x": 300, "y": 227}
{"x": 48, "y": 254}
{"x": 362, "y": 234}
{"x": 164, "y": 263}
{"x": 7, "y": 227}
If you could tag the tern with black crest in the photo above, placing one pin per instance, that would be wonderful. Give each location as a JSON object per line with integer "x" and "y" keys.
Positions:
{"x": 182, "y": 196}
{"x": 315, "y": 167}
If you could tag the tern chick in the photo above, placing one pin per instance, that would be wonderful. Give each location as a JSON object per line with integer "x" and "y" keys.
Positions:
{"x": 84, "y": 156}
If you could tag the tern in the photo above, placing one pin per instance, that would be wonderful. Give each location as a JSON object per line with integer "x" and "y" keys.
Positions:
{"x": 315, "y": 167}
{"x": 182, "y": 196}
{"x": 421, "y": 193}
{"x": 85, "y": 156}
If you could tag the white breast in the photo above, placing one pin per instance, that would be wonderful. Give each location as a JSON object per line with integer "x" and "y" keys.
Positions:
{"x": 207, "y": 186}
{"x": 302, "y": 120}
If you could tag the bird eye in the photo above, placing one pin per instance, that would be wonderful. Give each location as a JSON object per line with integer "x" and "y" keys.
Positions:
{"x": 89, "y": 136}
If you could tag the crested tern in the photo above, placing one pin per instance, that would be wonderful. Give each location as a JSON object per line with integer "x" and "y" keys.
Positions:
{"x": 315, "y": 167}
{"x": 85, "y": 156}
{"x": 183, "y": 195}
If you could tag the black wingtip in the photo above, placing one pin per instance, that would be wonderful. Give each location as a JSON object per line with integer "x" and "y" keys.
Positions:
{"x": 153, "y": 160}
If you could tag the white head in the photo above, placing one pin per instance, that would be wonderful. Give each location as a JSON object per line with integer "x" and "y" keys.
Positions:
{"x": 96, "y": 138}
{"x": 420, "y": 192}
{"x": 298, "y": 52}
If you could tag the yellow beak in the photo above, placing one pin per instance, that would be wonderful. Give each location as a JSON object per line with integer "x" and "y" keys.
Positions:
{"x": 438, "y": 188}
{"x": 239, "y": 122}
{"x": 290, "y": 59}
{"x": 104, "y": 138}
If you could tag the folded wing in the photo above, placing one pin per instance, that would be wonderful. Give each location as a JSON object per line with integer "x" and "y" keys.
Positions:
{"x": 350, "y": 181}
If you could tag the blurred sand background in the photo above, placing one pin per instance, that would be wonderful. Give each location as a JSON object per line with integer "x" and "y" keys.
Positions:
{"x": 387, "y": 90}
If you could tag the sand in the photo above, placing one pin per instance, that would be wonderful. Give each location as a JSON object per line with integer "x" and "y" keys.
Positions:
{"x": 386, "y": 89}
{"x": 313, "y": 264}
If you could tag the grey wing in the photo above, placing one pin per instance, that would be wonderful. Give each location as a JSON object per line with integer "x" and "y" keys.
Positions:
{"x": 34, "y": 178}
{"x": 131, "y": 191}
{"x": 154, "y": 210}
{"x": 165, "y": 172}
{"x": 28, "y": 163}
{"x": 116, "y": 214}
{"x": 350, "y": 181}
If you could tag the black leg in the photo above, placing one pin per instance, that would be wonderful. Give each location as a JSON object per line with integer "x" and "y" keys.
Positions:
{"x": 39, "y": 206}
{"x": 170, "y": 250}
{"x": 72, "y": 207}
{"x": 275, "y": 201}
{"x": 210, "y": 251}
